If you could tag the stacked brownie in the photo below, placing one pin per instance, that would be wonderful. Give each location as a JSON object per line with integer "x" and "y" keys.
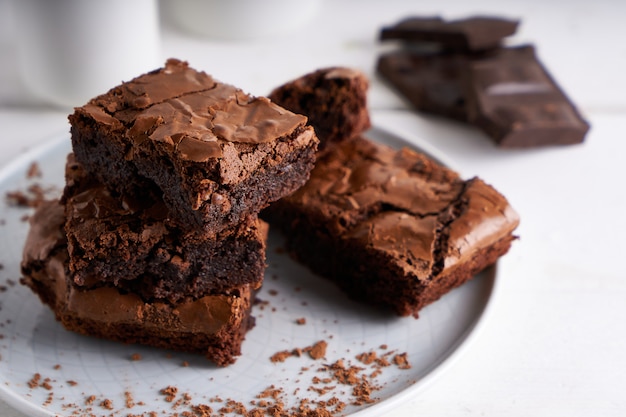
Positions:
{"x": 156, "y": 239}
{"x": 392, "y": 228}
{"x": 460, "y": 69}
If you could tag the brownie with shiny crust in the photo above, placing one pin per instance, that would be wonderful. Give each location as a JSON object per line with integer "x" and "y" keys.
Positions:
{"x": 215, "y": 153}
{"x": 334, "y": 99}
{"x": 129, "y": 242}
{"x": 214, "y": 325}
{"x": 392, "y": 227}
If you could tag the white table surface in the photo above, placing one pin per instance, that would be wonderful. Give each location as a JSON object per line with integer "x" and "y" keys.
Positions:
{"x": 555, "y": 341}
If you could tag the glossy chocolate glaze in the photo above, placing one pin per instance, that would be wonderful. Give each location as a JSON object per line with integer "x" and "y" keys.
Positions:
{"x": 190, "y": 112}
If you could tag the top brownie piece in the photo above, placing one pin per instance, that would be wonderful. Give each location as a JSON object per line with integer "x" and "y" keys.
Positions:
{"x": 334, "y": 99}
{"x": 216, "y": 154}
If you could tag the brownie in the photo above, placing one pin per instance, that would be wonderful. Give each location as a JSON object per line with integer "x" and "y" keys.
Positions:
{"x": 513, "y": 98}
{"x": 213, "y": 325}
{"x": 129, "y": 242}
{"x": 475, "y": 33}
{"x": 392, "y": 227}
{"x": 334, "y": 100}
{"x": 216, "y": 154}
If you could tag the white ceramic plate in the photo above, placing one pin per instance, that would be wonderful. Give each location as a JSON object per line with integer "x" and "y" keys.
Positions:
{"x": 78, "y": 367}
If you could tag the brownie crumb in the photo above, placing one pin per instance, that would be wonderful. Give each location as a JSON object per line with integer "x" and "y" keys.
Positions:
{"x": 34, "y": 381}
{"x": 106, "y": 403}
{"x": 129, "y": 400}
{"x": 135, "y": 357}
{"x": 402, "y": 361}
{"x": 301, "y": 321}
{"x": 280, "y": 356}
{"x": 49, "y": 399}
{"x": 318, "y": 350}
{"x": 33, "y": 171}
{"x": 34, "y": 195}
{"x": 170, "y": 393}
{"x": 46, "y": 384}
{"x": 90, "y": 400}
{"x": 315, "y": 351}
{"x": 72, "y": 383}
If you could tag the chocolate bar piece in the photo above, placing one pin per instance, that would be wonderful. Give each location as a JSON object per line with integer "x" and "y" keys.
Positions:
{"x": 431, "y": 82}
{"x": 513, "y": 98}
{"x": 471, "y": 34}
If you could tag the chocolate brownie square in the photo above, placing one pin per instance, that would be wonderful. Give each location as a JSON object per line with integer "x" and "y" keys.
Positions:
{"x": 213, "y": 325}
{"x": 216, "y": 154}
{"x": 392, "y": 227}
{"x": 129, "y": 242}
{"x": 334, "y": 99}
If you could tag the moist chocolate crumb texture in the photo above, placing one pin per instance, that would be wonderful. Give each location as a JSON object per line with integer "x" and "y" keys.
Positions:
{"x": 216, "y": 154}
{"x": 334, "y": 100}
{"x": 128, "y": 241}
{"x": 214, "y": 325}
{"x": 392, "y": 227}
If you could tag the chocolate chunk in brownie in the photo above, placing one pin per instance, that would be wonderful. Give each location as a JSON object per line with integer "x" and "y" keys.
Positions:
{"x": 213, "y": 325}
{"x": 513, "y": 98}
{"x": 129, "y": 242}
{"x": 334, "y": 100}
{"x": 474, "y": 33}
{"x": 392, "y": 227}
{"x": 216, "y": 154}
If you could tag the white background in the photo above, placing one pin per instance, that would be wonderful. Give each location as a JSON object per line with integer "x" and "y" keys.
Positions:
{"x": 555, "y": 341}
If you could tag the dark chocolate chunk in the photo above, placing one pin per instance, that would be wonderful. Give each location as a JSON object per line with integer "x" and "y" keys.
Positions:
{"x": 513, "y": 98}
{"x": 471, "y": 34}
{"x": 431, "y": 82}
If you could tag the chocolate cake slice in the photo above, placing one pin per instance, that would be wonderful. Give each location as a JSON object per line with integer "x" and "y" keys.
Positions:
{"x": 129, "y": 241}
{"x": 334, "y": 100}
{"x": 392, "y": 227}
{"x": 216, "y": 154}
{"x": 213, "y": 325}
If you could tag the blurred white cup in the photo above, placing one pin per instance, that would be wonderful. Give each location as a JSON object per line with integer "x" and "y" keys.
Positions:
{"x": 241, "y": 19}
{"x": 72, "y": 50}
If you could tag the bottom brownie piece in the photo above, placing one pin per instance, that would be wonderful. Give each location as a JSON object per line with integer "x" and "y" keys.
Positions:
{"x": 393, "y": 228}
{"x": 214, "y": 325}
